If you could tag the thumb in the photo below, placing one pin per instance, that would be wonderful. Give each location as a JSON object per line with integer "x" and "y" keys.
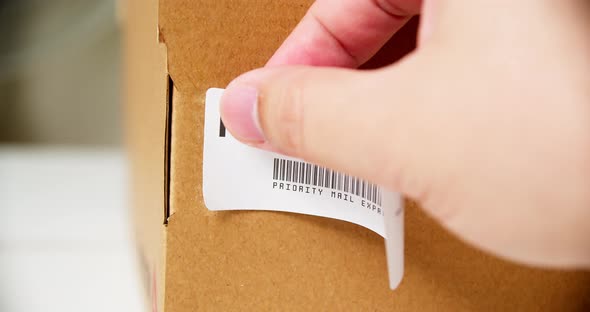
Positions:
{"x": 357, "y": 122}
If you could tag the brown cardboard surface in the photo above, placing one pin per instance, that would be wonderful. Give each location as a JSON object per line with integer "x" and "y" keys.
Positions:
{"x": 227, "y": 261}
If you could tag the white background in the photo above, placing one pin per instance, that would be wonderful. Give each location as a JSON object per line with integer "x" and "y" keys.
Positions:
{"x": 64, "y": 232}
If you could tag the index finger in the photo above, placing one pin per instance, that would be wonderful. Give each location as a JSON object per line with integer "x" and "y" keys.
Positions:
{"x": 343, "y": 33}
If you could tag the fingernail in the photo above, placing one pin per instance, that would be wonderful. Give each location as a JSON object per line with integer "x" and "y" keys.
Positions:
{"x": 239, "y": 111}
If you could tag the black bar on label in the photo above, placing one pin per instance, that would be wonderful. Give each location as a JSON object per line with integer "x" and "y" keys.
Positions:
{"x": 221, "y": 128}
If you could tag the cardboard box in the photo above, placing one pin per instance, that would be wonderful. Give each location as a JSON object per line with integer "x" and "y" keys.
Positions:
{"x": 197, "y": 260}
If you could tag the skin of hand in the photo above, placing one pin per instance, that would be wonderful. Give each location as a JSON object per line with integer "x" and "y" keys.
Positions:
{"x": 486, "y": 124}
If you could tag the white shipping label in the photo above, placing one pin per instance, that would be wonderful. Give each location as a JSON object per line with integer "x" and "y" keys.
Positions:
{"x": 239, "y": 177}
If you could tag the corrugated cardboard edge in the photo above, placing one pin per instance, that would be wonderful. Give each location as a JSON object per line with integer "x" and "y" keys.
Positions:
{"x": 148, "y": 103}
{"x": 170, "y": 93}
{"x": 168, "y": 209}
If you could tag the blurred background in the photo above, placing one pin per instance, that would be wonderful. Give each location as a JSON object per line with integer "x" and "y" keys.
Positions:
{"x": 65, "y": 239}
{"x": 59, "y": 72}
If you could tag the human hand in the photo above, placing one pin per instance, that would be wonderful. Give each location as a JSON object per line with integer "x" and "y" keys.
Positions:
{"x": 486, "y": 124}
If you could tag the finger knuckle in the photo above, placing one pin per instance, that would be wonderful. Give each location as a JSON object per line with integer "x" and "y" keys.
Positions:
{"x": 290, "y": 115}
{"x": 432, "y": 194}
{"x": 441, "y": 203}
{"x": 398, "y": 9}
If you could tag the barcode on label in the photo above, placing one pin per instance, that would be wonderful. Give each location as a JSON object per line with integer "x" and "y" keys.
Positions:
{"x": 310, "y": 174}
